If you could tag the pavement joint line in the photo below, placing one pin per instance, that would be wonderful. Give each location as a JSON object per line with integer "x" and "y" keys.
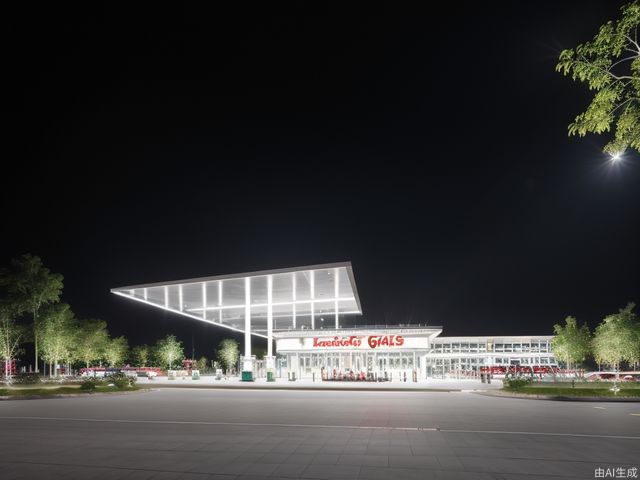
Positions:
{"x": 550, "y": 434}
{"x": 232, "y": 424}
{"x": 157, "y": 388}
{"x": 346, "y": 427}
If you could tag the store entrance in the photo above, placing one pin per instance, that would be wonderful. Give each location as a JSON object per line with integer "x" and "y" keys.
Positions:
{"x": 392, "y": 366}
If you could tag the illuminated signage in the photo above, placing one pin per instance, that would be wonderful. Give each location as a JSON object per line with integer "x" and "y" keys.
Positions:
{"x": 373, "y": 341}
{"x": 337, "y": 342}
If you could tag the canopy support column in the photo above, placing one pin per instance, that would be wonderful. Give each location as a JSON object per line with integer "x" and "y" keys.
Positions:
{"x": 294, "y": 286}
{"x": 336, "y": 294}
{"x": 269, "y": 315}
{"x": 270, "y": 359}
{"x": 247, "y": 367}
{"x": 312, "y": 282}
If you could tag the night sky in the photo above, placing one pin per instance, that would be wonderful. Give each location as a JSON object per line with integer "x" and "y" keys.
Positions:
{"x": 429, "y": 150}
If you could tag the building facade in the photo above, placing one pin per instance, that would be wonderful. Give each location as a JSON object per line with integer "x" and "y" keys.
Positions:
{"x": 303, "y": 310}
{"x": 394, "y": 353}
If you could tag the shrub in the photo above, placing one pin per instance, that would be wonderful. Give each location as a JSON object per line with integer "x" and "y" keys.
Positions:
{"x": 92, "y": 382}
{"x": 88, "y": 385}
{"x": 27, "y": 378}
{"x": 121, "y": 380}
{"x": 516, "y": 382}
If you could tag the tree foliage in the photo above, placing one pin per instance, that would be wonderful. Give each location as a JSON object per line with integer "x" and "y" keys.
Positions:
{"x": 202, "y": 364}
{"x": 57, "y": 331}
{"x": 116, "y": 350}
{"x": 141, "y": 355}
{"x": 571, "y": 343}
{"x": 92, "y": 341}
{"x": 610, "y": 66}
{"x": 31, "y": 285}
{"x": 11, "y": 336}
{"x": 617, "y": 338}
{"x": 169, "y": 351}
{"x": 228, "y": 353}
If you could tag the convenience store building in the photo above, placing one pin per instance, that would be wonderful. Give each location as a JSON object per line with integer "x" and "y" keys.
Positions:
{"x": 307, "y": 314}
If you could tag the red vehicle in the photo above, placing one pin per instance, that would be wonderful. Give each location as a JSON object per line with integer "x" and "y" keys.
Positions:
{"x": 523, "y": 369}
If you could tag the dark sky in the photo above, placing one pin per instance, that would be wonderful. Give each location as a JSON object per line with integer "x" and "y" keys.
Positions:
{"x": 430, "y": 150}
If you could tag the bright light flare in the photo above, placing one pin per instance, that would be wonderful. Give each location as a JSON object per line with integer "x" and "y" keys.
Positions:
{"x": 616, "y": 157}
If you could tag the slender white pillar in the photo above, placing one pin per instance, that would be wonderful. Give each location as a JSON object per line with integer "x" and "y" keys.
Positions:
{"x": 204, "y": 300}
{"x": 312, "y": 282}
{"x": 270, "y": 315}
{"x": 220, "y": 301}
{"x": 336, "y": 294}
{"x": 247, "y": 325}
{"x": 180, "y": 303}
{"x": 166, "y": 297}
{"x": 146, "y": 297}
{"x": 294, "y": 285}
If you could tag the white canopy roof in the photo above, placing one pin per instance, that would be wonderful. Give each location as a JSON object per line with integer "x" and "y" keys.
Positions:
{"x": 295, "y": 298}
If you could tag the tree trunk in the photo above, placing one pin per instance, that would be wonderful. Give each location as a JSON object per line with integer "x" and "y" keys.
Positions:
{"x": 35, "y": 337}
{"x": 35, "y": 342}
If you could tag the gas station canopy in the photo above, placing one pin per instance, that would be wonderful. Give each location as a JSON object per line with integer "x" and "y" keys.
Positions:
{"x": 311, "y": 297}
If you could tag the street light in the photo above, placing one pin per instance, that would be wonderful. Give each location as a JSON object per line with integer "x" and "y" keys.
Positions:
{"x": 616, "y": 157}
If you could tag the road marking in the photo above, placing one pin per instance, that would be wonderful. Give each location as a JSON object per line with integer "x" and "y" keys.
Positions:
{"x": 297, "y": 425}
{"x": 635, "y": 414}
{"x": 600, "y": 408}
{"x": 550, "y": 434}
{"x": 158, "y": 388}
{"x": 233, "y": 424}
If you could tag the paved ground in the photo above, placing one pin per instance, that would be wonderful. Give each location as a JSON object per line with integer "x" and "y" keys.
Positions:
{"x": 437, "y": 384}
{"x": 250, "y": 434}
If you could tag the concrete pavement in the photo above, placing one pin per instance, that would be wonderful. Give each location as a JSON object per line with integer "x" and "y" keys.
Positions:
{"x": 261, "y": 383}
{"x": 253, "y": 434}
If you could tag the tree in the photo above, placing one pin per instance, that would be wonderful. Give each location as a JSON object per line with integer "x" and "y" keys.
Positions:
{"x": 11, "y": 336}
{"x": 169, "y": 350}
{"x": 202, "y": 364}
{"x": 617, "y": 338}
{"x": 571, "y": 344}
{"x": 57, "y": 332}
{"x": 92, "y": 341}
{"x": 34, "y": 286}
{"x": 115, "y": 351}
{"x": 228, "y": 353}
{"x": 610, "y": 65}
{"x": 141, "y": 355}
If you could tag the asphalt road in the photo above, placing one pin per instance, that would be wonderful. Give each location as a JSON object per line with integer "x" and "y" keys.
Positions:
{"x": 250, "y": 434}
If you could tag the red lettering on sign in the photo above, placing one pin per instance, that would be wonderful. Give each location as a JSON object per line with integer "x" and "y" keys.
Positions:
{"x": 375, "y": 341}
{"x": 337, "y": 342}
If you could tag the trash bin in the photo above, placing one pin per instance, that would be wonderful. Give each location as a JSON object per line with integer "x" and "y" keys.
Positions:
{"x": 247, "y": 376}
{"x": 270, "y": 376}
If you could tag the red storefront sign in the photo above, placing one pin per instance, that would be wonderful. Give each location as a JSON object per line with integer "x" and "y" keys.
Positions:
{"x": 373, "y": 341}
